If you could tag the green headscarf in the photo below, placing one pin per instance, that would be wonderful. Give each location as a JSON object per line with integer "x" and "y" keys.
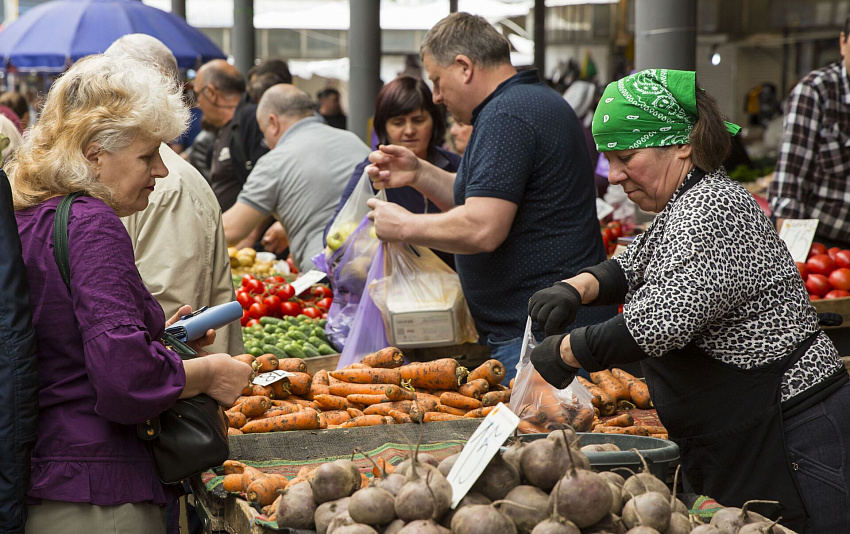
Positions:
{"x": 655, "y": 107}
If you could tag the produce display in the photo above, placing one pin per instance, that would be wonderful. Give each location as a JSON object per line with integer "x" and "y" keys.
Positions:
{"x": 377, "y": 391}
{"x": 826, "y": 272}
{"x": 615, "y": 390}
{"x": 290, "y": 337}
{"x": 244, "y": 261}
{"x": 274, "y": 296}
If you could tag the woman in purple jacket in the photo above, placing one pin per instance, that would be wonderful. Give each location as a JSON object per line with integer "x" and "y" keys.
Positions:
{"x": 102, "y": 368}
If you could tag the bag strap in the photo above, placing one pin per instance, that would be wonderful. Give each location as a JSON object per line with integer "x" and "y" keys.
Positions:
{"x": 60, "y": 236}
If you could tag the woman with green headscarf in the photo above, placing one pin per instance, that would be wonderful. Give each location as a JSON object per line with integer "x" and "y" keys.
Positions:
{"x": 746, "y": 383}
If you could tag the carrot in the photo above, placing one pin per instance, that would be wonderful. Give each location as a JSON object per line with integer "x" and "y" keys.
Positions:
{"x": 272, "y": 508}
{"x": 583, "y": 420}
{"x": 382, "y": 466}
{"x": 480, "y": 412}
{"x": 493, "y": 371}
{"x": 654, "y": 429}
{"x": 255, "y": 406}
{"x": 436, "y": 416}
{"x": 456, "y": 400}
{"x": 398, "y": 393}
{"x": 298, "y": 400}
{"x": 660, "y": 436}
{"x": 336, "y": 417}
{"x": 232, "y": 483}
{"x": 630, "y": 430}
{"x": 387, "y": 358}
{"x": 427, "y": 402}
{"x": 248, "y": 390}
{"x": 233, "y": 467}
{"x": 364, "y": 420}
{"x": 367, "y": 400}
{"x": 495, "y": 397}
{"x": 445, "y": 373}
{"x": 528, "y": 427}
{"x": 610, "y": 384}
{"x": 317, "y": 389}
{"x": 442, "y": 408}
{"x": 304, "y": 420}
{"x": 274, "y": 411}
{"x": 400, "y": 417}
{"x": 639, "y": 392}
{"x": 249, "y": 475}
{"x": 299, "y": 383}
{"x": 475, "y": 388}
{"x": 268, "y": 363}
{"x": 621, "y": 420}
{"x": 264, "y": 491}
{"x": 599, "y": 397}
{"x": 234, "y": 431}
{"x": 355, "y": 365}
{"x": 385, "y": 408}
{"x": 281, "y": 388}
{"x": 321, "y": 377}
{"x": 323, "y": 423}
{"x": 332, "y": 402}
{"x": 246, "y": 358}
{"x": 235, "y": 419}
{"x": 284, "y": 403}
{"x": 344, "y": 389}
{"x": 368, "y": 376}
{"x": 355, "y": 412}
{"x": 292, "y": 365}
{"x": 262, "y": 391}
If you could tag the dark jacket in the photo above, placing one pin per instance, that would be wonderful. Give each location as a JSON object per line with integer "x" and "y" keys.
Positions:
{"x": 18, "y": 372}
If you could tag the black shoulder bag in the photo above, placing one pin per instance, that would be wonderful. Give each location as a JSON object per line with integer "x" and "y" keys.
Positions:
{"x": 189, "y": 437}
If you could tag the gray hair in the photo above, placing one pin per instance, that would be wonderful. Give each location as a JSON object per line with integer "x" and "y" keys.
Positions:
{"x": 145, "y": 48}
{"x": 285, "y": 99}
{"x": 470, "y": 35}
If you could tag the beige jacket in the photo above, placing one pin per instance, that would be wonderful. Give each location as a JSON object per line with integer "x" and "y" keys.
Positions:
{"x": 180, "y": 247}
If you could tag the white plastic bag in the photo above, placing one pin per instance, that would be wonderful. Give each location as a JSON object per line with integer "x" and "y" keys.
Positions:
{"x": 351, "y": 215}
{"x": 540, "y": 406}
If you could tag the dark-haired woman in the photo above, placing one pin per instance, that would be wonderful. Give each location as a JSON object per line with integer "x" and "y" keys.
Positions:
{"x": 405, "y": 114}
{"x": 745, "y": 381}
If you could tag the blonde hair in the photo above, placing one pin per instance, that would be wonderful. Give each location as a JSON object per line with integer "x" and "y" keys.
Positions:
{"x": 470, "y": 35}
{"x": 110, "y": 101}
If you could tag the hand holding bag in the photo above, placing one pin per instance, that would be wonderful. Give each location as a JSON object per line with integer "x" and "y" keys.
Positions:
{"x": 189, "y": 437}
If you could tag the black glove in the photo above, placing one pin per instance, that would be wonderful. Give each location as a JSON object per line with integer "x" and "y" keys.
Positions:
{"x": 546, "y": 358}
{"x": 554, "y": 308}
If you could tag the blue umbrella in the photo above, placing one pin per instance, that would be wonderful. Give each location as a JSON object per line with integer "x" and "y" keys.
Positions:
{"x": 50, "y": 37}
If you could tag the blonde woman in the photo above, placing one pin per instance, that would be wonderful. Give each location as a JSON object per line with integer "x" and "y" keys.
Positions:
{"x": 102, "y": 368}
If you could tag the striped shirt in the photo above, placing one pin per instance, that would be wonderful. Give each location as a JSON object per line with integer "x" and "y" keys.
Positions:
{"x": 811, "y": 180}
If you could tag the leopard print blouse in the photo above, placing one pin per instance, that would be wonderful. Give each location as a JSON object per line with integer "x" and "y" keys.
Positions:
{"x": 712, "y": 269}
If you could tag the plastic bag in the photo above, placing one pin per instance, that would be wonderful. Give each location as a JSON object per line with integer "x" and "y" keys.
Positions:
{"x": 421, "y": 299}
{"x": 542, "y": 408}
{"x": 367, "y": 328}
{"x": 350, "y": 216}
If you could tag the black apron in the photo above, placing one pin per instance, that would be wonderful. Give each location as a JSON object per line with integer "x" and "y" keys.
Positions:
{"x": 727, "y": 423}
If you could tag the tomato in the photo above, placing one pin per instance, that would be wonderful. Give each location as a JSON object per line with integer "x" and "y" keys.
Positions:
{"x": 321, "y": 292}
{"x": 817, "y": 248}
{"x": 842, "y": 258}
{"x": 243, "y": 298}
{"x": 292, "y": 268}
{"x": 255, "y": 287}
{"x": 840, "y": 278}
{"x": 818, "y": 284}
{"x": 273, "y": 303}
{"x": 814, "y": 297}
{"x": 245, "y": 279}
{"x": 271, "y": 280}
{"x": 290, "y": 308}
{"x": 820, "y": 264}
{"x": 616, "y": 228}
{"x": 245, "y": 318}
{"x": 252, "y": 322}
{"x": 257, "y": 310}
{"x": 804, "y": 270}
{"x": 285, "y": 291}
{"x": 832, "y": 252}
{"x": 325, "y": 303}
{"x": 312, "y": 312}
{"x": 836, "y": 294}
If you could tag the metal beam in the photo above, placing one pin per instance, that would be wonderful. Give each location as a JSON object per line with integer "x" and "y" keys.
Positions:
{"x": 364, "y": 52}
{"x": 178, "y": 7}
{"x": 452, "y": 6}
{"x": 243, "y": 35}
{"x": 665, "y": 34}
{"x": 540, "y": 38}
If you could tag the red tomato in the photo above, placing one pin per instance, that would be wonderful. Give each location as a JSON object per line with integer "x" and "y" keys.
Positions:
{"x": 842, "y": 258}
{"x": 818, "y": 284}
{"x": 836, "y": 294}
{"x": 243, "y": 298}
{"x": 840, "y": 278}
{"x": 272, "y": 303}
{"x": 616, "y": 228}
{"x": 274, "y": 280}
{"x": 292, "y": 268}
{"x": 285, "y": 292}
{"x": 820, "y": 264}
{"x": 325, "y": 303}
{"x": 252, "y": 322}
{"x": 257, "y": 310}
{"x": 245, "y": 279}
{"x": 814, "y": 297}
{"x": 315, "y": 313}
{"x": 245, "y": 318}
{"x": 290, "y": 308}
{"x": 321, "y": 292}
{"x": 817, "y": 248}
{"x": 804, "y": 270}
{"x": 832, "y": 252}
{"x": 255, "y": 287}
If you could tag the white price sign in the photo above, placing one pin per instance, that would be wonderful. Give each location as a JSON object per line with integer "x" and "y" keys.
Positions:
{"x": 480, "y": 449}
{"x": 269, "y": 378}
{"x": 603, "y": 209}
{"x": 306, "y": 280}
{"x": 798, "y": 235}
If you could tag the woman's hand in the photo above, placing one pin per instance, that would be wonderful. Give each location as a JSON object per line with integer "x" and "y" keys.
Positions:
{"x": 555, "y": 308}
{"x": 205, "y": 341}
{"x": 217, "y": 375}
{"x": 553, "y": 365}
{"x": 392, "y": 166}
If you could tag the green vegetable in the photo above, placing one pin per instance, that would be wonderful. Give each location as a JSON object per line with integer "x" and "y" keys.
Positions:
{"x": 270, "y": 321}
{"x": 255, "y": 352}
{"x": 296, "y": 335}
{"x": 326, "y": 350}
{"x": 271, "y": 349}
{"x": 293, "y": 351}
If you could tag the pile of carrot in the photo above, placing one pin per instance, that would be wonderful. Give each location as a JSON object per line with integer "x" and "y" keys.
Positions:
{"x": 378, "y": 390}
{"x": 614, "y": 390}
{"x": 545, "y": 412}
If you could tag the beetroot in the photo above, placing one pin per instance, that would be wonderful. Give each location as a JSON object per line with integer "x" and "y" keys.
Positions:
{"x": 497, "y": 479}
{"x": 649, "y": 510}
{"x": 642, "y": 530}
{"x": 729, "y": 520}
{"x": 327, "y": 511}
{"x": 424, "y": 496}
{"x": 533, "y": 507}
{"x": 335, "y": 480}
{"x": 468, "y": 499}
{"x": 553, "y": 526}
{"x": 482, "y": 519}
{"x": 446, "y": 465}
{"x": 372, "y": 506}
{"x": 707, "y": 529}
{"x": 581, "y": 496}
{"x": 544, "y": 462}
{"x": 296, "y": 507}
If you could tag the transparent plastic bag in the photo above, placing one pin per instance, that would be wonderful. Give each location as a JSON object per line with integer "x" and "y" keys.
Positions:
{"x": 540, "y": 406}
{"x": 367, "y": 333}
{"x": 421, "y": 299}
{"x": 350, "y": 216}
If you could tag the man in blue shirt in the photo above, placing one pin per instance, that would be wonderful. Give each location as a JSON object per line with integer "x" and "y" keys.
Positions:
{"x": 520, "y": 212}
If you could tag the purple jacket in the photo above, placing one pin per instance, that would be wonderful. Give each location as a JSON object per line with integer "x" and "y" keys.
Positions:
{"x": 101, "y": 370}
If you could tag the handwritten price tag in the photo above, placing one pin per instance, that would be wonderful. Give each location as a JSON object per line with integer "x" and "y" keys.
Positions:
{"x": 269, "y": 378}
{"x": 480, "y": 449}
{"x": 798, "y": 235}
{"x": 303, "y": 282}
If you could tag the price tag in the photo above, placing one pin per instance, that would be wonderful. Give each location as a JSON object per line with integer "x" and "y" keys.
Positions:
{"x": 603, "y": 209}
{"x": 266, "y": 379}
{"x": 306, "y": 280}
{"x": 480, "y": 449}
{"x": 798, "y": 235}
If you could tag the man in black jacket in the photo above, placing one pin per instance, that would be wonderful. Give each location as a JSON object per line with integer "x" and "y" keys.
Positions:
{"x": 18, "y": 373}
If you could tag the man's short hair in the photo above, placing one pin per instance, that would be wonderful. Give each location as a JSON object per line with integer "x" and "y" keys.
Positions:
{"x": 262, "y": 83}
{"x": 470, "y": 35}
{"x": 325, "y": 93}
{"x": 285, "y": 99}
{"x": 274, "y": 66}
{"x": 227, "y": 81}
